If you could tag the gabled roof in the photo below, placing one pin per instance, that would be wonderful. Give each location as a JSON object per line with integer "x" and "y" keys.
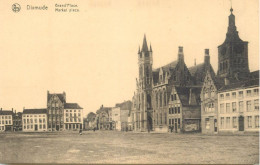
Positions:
{"x": 72, "y": 106}
{"x": 189, "y": 96}
{"x": 61, "y": 96}
{"x": 166, "y": 68}
{"x": 35, "y": 111}
{"x": 103, "y": 109}
{"x": 6, "y": 112}
{"x": 199, "y": 71}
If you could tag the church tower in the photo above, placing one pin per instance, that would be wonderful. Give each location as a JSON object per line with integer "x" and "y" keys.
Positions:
{"x": 145, "y": 63}
{"x": 233, "y": 54}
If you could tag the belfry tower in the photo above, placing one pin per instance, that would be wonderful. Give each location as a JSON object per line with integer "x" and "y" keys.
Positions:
{"x": 145, "y": 63}
{"x": 233, "y": 54}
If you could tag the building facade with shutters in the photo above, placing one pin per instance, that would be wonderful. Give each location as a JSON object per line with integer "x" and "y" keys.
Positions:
{"x": 239, "y": 107}
{"x": 6, "y": 120}
{"x": 34, "y": 120}
{"x": 73, "y": 116}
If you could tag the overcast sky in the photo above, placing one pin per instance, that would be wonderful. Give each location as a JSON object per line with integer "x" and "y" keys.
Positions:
{"x": 92, "y": 55}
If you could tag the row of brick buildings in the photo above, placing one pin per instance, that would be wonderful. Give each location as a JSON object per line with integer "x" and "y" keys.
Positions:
{"x": 178, "y": 98}
{"x": 58, "y": 116}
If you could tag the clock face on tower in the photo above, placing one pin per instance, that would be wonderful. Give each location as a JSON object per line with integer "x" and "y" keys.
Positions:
{"x": 239, "y": 48}
{"x": 223, "y": 50}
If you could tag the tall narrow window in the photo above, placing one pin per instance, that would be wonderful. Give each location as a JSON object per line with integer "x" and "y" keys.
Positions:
{"x": 241, "y": 108}
{"x": 248, "y": 105}
{"x": 165, "y": 118}
{"x": 257, "y": 121}
{"x": 222, "y": 122}
{"x": 160, "y": 99}
{"x": 256, "y": 104}
{"x": 234, "y": 122}
{"x": 249, "y": 121}
{"x": 221, "y": 108}
{"x": 227, "y": 107}
{"x": 165, "y": 98}
{"x": 234, "y": 106}
{"x": 228, "y": 122}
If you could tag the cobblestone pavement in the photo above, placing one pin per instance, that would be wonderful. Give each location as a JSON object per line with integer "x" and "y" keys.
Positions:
{"x": 127, "y": 147}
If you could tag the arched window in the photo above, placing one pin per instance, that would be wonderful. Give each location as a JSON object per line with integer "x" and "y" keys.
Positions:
{"x": 165, "y": 98}
{"x": 160, "y": 99}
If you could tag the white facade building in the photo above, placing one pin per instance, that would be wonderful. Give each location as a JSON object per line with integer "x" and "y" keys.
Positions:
{"x": 73, "y": 116}
{"x": 239, "y": 109}
{"x": 34, "y": 120}
{"x": 116, "y": 118}
{"x": 6, "y": 120}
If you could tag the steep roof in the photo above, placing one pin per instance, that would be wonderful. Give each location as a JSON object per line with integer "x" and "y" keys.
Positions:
{"x": 6, "y": 112}
{"x": 196, "y": 69}
{"x": 72, "y": 106}
{"x": 166, "y": 68}
{"x": 240, "y": 85}
{"x": 103, "y": 109}
{"x": 61, "y": 96}
{"x": 145, "y": 46}
{"x": 35, "y": 111}
{"x": 126, "y": 105}
{"x": 189, "y": 96}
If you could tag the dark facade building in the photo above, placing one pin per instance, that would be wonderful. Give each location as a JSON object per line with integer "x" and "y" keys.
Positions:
{"x": 17, "y": 121}
{"x": 55, "y": 111}
{"x": 104, "y": 118}
{"x": 151, "y": 100}
{"x": 89, "y": 121}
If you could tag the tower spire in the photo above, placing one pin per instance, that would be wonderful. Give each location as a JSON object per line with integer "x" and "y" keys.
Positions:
{"x": 139, "y": 50}
{"x": 144, "y": 47}
{"x": 151, "y": 47}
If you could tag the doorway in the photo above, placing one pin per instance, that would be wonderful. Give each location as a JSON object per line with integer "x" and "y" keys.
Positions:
{"x": 36, "y": 127}
{"x": 215, "y": 125}
{"x": 241, "y": 123}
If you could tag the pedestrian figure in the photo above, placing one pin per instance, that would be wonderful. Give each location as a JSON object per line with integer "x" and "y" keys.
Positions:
{"x": 80, "y": 132}
{"x": 171, "y": 128}
{"x": 94, "y": 129}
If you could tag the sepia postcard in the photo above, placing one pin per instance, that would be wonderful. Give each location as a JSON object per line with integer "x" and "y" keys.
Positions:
{"x": 129, "y": 82}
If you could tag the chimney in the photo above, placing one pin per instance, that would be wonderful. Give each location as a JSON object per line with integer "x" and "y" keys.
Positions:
{"x": 226, "y": 81}
{"x": 1, "y": 109}
{"x": 180, "y": 53}
{"x": 207, "y": 57}
{"x": 12, "y": 109}
{"x": 64, "y": 95}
